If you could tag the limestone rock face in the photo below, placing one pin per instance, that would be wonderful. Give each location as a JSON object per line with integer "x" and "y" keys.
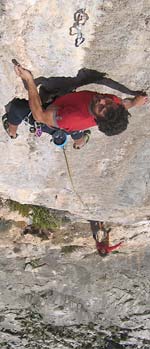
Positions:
{"x": 110, "y": 174}
{"x": 50, "y": 296}
{"x": 64, "y": 295}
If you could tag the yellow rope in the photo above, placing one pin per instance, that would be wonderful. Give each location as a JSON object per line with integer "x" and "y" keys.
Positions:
{"x": 71, "y": 180}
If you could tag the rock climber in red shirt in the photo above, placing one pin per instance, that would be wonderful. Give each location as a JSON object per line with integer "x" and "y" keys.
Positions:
{"x": 73, "y": 112}
{"x": 103, "y": 246}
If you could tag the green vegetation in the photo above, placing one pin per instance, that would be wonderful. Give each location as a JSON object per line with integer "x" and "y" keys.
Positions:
{"x": 3, "y": 345}
{"x": 42, "y": 217}
{"x": 69, "y": 248}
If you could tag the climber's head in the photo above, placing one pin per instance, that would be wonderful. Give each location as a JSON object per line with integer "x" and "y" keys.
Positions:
{"x": 110, "y": 114}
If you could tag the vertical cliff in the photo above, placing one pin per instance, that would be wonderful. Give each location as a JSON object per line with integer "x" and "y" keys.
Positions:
{"x": 113, "y": 175}
{"x": 68, "y": 297}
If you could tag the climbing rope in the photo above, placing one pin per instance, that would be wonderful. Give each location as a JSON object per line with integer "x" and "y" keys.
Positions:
{"x": 71, "y": 181}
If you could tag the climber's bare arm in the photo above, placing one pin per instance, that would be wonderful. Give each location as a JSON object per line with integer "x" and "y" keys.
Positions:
{"x": 135, "y": 102}
{"x": 115, "y": 85}
{"x": 40, "y": 115}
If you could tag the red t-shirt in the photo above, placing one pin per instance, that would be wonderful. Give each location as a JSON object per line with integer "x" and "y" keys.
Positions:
{"x": 73, "y": 112}
{"x": 103, "y": 247}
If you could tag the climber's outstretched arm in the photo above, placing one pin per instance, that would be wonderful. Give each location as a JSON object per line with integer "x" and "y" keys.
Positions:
{"x": 135, "y": 102}
{"x": 40, "y": 115}
{"x": 119, "y": 87}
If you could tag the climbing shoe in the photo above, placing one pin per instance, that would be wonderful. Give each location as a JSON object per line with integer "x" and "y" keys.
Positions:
{"x": 6, "y": 126}
{"x": 85, "y": 139}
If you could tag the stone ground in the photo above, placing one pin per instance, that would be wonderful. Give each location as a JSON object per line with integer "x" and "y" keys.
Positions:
{"x": 60, "y": 293}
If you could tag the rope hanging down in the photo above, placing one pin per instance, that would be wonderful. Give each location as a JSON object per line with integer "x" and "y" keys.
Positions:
{"x": 71, "y": 181}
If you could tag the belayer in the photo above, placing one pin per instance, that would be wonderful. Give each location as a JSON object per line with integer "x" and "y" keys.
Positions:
{"x": 103, "y": 246}
{"x": 73, "y": 112}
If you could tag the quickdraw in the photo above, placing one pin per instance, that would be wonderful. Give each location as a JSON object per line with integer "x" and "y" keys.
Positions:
{"x": 80, "y": 18}
{"x": 35, "y": 127}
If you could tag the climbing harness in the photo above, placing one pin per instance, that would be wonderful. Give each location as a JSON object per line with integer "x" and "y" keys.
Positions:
{"x": 80, "y": 18}
{"x": 59, "y": 136}
{"x": 35, "y": 127}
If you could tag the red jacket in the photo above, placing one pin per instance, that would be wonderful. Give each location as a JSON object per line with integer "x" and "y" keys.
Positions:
{"x": 103, "y": 247}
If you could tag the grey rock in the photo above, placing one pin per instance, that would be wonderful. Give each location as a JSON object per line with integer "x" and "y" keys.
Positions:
{"x": 113, "y": 177}
{"x": 77, "y": 300}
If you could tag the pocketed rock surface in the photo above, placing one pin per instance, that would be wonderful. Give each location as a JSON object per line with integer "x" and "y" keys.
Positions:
{"x": 60, "y": 293}
{"x": 111, "y": 174}
{"x": 53, "y": 295}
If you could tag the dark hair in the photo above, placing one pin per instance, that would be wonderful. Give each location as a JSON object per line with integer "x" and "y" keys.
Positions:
{"x": 114, "y": 122}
